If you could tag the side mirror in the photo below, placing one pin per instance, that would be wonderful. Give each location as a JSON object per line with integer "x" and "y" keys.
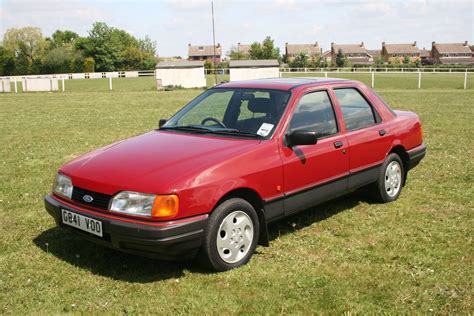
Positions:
{"x": 162, "y": 122}
{"x": 301, "y": 137}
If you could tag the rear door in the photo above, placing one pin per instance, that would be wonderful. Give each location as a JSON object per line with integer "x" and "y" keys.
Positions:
{"x": 367, "y": 135}
{"x": 314, "y": 173}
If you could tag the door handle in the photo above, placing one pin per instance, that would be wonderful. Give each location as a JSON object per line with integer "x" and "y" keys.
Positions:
{"x": 382, "y": 132}
{"x": 338, "y": 144}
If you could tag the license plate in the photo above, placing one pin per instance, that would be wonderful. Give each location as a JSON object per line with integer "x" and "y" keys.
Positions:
{"x": 81, "y": 222}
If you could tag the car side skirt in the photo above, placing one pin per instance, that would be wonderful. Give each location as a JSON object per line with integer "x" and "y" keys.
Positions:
{"x": 295, "y": 202}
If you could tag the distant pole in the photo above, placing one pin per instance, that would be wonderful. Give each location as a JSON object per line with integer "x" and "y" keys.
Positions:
{"x": 373, "y": 79}
{"x": 110, "y": 82}
{"x": 214, "y": 41}
{"x": 16, "y": 86}
{"x": 62, "y": 81}
{"x": 419, "y": 79}
{"x": 465, "y": 80}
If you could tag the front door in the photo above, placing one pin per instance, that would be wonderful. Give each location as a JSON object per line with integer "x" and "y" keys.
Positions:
{"x": 314, "y": 173}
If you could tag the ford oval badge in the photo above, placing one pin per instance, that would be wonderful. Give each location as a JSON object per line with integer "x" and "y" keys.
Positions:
{"x": 88, "y": 198}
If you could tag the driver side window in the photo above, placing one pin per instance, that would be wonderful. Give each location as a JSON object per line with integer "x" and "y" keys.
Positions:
{"x": 215, "y": 103}
{"x": 315, "y": 112}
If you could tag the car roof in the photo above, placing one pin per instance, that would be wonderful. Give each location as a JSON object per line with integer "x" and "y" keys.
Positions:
{"x": 281, "y": 83}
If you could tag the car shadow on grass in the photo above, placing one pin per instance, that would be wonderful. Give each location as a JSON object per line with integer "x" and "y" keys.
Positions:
{"x": 318, "y": 213}
{"x": 108, "y": 262}
{"x": 121, "y": 266}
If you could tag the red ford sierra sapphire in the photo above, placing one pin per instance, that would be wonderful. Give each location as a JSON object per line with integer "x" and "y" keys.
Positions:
{"x": 208, "y": 181}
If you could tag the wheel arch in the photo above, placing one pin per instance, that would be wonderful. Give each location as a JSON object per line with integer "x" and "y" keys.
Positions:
{"x": 256, "y": 201}
{"x": 402, "y": 153}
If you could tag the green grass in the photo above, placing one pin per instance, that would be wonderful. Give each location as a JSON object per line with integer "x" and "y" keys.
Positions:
{"x": 401, "y": 81}
{"x": 346, "y": 256}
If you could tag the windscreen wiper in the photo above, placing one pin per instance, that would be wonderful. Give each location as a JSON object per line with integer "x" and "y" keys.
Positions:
{"x": 193, "y": 128}
{"x": 234, "y": 131}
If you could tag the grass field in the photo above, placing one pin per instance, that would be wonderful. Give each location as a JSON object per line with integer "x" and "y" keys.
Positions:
{"x": 349, "y": 255}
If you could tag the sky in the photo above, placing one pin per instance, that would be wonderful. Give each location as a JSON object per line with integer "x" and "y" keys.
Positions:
{"x": 175, "y": 23}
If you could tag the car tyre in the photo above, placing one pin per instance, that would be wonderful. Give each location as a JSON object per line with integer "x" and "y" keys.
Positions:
{"x": 390, "y": 179}
{"x": 231, "y": 235}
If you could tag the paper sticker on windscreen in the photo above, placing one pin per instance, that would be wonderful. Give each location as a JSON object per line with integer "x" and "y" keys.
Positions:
{"x": 265, "y": 129}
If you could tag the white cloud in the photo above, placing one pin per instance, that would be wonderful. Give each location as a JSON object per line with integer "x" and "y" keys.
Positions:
{"x": 49, "y": 15}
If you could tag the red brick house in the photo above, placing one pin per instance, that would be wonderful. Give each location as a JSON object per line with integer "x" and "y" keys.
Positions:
{"x": 355, "y": 53}
{"x": 244, "y": 49}
{"x": 452, "y": 53}
{"x": 293, "y": 50}
{"x": 400, "y": 51}
{"x": 205, "y": 52}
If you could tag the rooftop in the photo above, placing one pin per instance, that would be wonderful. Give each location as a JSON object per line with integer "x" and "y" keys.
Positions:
{"x": 254, "y": 63}
{"x": 349, "y": 48}
{"x": 410, "y": 48}
{"x": 180, "y": 64}
{"x": 204, "y": 50}
{"x": 446, "y": 48}
{"x": 280, "y": 83}
{"x": 309, "y": 49}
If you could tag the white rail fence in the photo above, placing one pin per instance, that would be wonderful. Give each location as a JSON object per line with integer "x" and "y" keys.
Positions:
{"x": 373, "y": 72}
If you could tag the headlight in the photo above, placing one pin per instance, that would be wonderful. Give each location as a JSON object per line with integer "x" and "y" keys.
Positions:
{"x": 63, "y": 186}
{"x": 142, "y": 204}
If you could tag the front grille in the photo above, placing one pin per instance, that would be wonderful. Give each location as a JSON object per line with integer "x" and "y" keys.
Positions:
{"x": 100, "y": 200}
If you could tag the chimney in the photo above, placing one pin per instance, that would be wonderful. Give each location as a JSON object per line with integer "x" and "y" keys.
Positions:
{"x": 433, "y": 43}
{"x": 414, "y": 43}
{"x": 316, "y": 44}
{"x": 383, "y": 44}
{"x": 465, "y": 43}
{"x": 218, "y": 45}
{"x": 361, "y": 44}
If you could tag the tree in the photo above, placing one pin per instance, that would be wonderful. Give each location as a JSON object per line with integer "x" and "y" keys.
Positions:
{"x": 88, "y": 65}
{"x": 62, "y": 60}
{"x": 62, "y": 38}
{"x": 27, "y": 45}
{"x": 7, "y": 62}
{"x": 341, "y": 60}
{"x": 264, "y": 50}
{"x": 235, "y": 54}
{"x": 300, "y": 61}
{"x": 114, "y": 49}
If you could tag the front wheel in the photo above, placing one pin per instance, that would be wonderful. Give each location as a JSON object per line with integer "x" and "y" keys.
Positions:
{"x": 389, "y": 182}
{"x": 231, "y": 235}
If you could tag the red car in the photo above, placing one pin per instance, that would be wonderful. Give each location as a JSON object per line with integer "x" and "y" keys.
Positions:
{"x": 237, "y": 157}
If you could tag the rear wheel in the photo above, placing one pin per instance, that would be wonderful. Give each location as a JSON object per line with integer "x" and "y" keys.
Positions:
{"x": 389, "y": 183}
{"x": 231, "y": 235}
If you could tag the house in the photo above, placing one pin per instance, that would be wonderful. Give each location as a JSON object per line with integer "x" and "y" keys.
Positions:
{"x": 326, "y": 56}
{"x": 425, "y": 54}
{"x": 293, "y": 50}
{"x": 205, "y": 52}
{"x": 244, "y": 49}
{"x": 400, "y": 51}
{"x": 452, "y": 53}
{"x": 374, "y": 53}
{"x": 355, "y": 53}
{"x": 253, "y": 69}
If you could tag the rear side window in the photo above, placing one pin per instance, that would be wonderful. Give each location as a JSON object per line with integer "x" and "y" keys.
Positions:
{"x": 315, "y": 112}
{"x": 356, "y": 111}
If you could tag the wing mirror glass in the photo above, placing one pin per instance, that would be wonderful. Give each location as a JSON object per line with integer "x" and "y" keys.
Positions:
{"x": 301, "y": 137}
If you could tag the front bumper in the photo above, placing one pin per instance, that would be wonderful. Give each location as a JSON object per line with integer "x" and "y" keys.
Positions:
{"x": 174, "y": 240}
{"x": 415, "y": 155}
